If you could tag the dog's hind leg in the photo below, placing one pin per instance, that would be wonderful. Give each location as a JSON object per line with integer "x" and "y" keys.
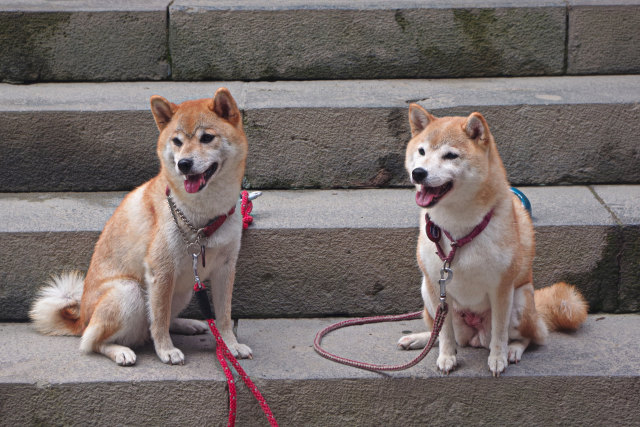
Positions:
{"x": 525, "y": 325}
{"x": 118, "y": 321}
{"x": 184, "y": 326}
{"x": 516, "y": 348}
{"x": 414, "y": 341}
{"x": 188, "y": 327}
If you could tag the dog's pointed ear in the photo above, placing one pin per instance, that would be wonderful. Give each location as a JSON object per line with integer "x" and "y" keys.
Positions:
{"x": 419, "y": 119}
{"x": 225, "y": 106}
{"x": 162, "y": 111}
{"x": 477, "y": 128}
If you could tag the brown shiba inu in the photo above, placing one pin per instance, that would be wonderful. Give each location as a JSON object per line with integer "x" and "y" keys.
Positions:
{"x": 463, "y": 190}
{"x": 141, "y": 274}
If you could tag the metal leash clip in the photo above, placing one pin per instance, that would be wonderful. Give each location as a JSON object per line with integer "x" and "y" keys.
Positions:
{"x": 198, "y": 284}
{"x": 446, "y": 269}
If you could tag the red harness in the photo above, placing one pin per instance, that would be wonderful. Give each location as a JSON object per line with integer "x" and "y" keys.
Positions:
{"x": 434, "y": 233}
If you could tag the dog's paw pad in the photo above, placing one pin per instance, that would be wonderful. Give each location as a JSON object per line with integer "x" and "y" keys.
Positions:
{"x": 172, "y": 356}
{"x": 446, "y": 363}
{"x": 414, "y": 341}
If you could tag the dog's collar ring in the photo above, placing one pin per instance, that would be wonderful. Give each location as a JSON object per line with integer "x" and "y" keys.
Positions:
{"x": 194, "y": 248}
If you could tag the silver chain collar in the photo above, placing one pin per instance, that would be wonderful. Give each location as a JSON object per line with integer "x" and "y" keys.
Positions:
{"x": 193, "y": 247}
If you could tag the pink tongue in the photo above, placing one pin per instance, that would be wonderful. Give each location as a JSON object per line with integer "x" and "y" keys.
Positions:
{"x": 425, "y": 196}
{"x": 192, "y": 184}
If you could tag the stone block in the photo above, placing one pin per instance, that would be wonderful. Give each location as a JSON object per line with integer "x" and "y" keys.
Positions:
{"x": 262, "y": 40}
{"x": 83, "y": 41}
{"x": 603, "y": 37}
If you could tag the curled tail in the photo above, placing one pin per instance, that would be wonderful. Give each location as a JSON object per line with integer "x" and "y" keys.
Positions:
{"x": 561, "y": 306}
{"x": 56, "y": 310}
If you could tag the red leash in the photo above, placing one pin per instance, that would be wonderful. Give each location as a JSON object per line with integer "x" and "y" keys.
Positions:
{"x": 223, "y": 353}
{"x": 246, "y": 206}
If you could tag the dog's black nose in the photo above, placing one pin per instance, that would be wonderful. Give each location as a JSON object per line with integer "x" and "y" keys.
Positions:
{"x": 419, "y": 175}
{"x": 185, "y": 165}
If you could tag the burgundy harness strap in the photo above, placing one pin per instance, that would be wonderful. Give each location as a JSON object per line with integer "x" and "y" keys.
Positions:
{"x": 434, "y": 234}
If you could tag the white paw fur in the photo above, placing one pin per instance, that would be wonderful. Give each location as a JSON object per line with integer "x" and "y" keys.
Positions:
{"x": 240, "y": 351}
{"x": 516, "y": 348}
{"x": 171, "y": 356}
{"x": 497, "y": 363}
{"x": 414, "y": 341}
{"x": 188, "y": 327}
{"x": 446, "y": 363}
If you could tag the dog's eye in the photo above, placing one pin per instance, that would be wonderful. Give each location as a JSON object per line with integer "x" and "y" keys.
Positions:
{"x": 206, "y": 138}
{"x": 421, "y": 151}
{"x": 450, "y": 156}
{"x": 177, "y": 142}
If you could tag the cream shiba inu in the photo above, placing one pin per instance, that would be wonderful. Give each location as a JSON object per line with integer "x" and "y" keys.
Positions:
{"x": 462, "y": 187}
{"x": 141, "y": 274}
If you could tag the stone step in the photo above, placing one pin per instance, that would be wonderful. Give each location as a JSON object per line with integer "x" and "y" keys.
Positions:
{"x": 88, "y": 40}
{"x": 592, "y": 374}
{"x": 337, "y": 252}
{"x": 83, "y": 40}
{"x": 322, "y": 134}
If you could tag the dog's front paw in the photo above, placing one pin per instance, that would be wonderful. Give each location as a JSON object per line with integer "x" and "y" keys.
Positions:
{"x": 414, "y": 341}
{"x": 171, "y": 356}
{"x": 125, "y": 357}
{"x": 497, "y": 363}
{"x": 446, "y": 363}
{"x": 240, "y": 351}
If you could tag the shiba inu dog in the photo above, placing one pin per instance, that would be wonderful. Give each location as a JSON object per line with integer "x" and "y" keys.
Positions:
{"x": 141, "y": 273}
{"x": 462, "y": 187}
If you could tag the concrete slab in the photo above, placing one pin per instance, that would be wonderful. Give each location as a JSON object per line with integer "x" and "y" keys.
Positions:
{"x": 307, "y": 247}
{"x": 603, "y": 37}
{"x": 83, "y": 40}
{"x": 261, "y": 40}
{"x": 314, "y": 134}
{"x": 591, "y": 374}
{"x": 578, "y": 373}
{"x": 47, "y": 380}
{"x": 624, "y": 202}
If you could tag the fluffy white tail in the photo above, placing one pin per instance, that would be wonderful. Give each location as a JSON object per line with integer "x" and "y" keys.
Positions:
{"x": 561, "y": 306}
{"x": 56, "y": 310}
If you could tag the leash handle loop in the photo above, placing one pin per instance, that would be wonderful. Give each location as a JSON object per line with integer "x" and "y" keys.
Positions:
{"x": 441, "y": 313}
